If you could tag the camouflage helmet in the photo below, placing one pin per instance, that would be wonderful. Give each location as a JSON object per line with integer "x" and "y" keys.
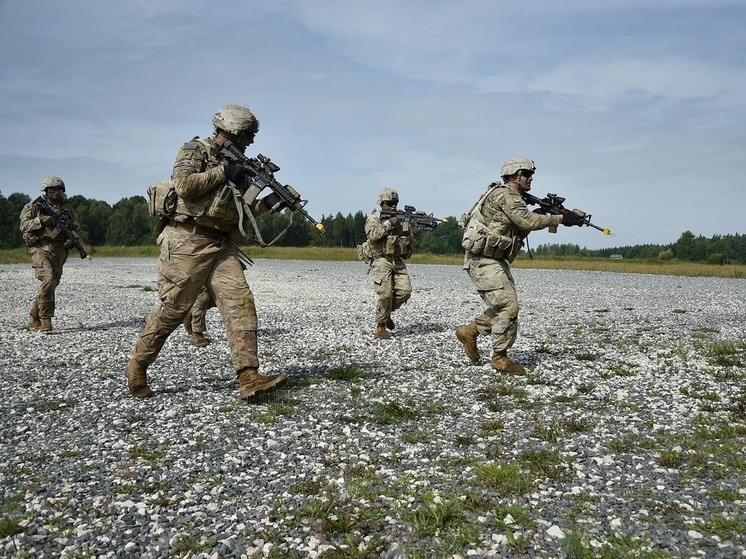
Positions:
{"x": 52, "y": 182}
{"x": 387, "y": 195}
{"x": 515, "y": 164}
{"x": 235, "y": 119}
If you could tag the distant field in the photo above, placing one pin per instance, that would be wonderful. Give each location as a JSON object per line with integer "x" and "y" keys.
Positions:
{"x": 670, "y": 268}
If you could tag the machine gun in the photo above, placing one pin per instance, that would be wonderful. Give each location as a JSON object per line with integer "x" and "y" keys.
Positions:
{"x": 62, "y": 225}
{"x": 552, "y": 204}
{"x": 421, "y": 220}
{"x": 262, "y": 172}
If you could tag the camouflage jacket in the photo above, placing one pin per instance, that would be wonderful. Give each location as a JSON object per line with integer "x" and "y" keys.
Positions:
{"x": 204, "y": 195}
{"x": 498, "y": 228}
{"x": 36, "y": 234}
{"x": 395, "y": 241}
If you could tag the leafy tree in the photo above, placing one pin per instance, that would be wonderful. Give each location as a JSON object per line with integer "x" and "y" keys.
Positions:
{"x": 444, "y": 239}
{"x": 130, "y": 224}
{"x": 10, "y": 211}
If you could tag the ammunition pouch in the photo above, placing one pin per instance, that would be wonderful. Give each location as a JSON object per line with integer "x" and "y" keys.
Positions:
{"x": 162, "y": 199}
{"x": 364, "y": 253}
{"x": 479, "y": 240}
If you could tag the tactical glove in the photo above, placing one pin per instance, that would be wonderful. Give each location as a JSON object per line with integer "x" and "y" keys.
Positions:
{"x": 47, "y": 221}
{"x": 570, "y": 218}
{"x": 393, "y": 221}
{"x": 234, "y": 172}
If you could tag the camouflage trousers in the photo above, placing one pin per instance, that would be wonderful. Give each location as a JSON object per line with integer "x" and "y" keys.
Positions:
{"x": 199, "y": 311}
{"x": 496, "y": 287}
{"x": 47, "y": 261}
{"x": 392, "y": 284}
{"x": 188, "y": 262}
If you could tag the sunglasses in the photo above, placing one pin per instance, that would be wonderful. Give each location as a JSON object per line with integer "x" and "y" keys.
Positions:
{"x": 525, "y": 173}
{"x": 391, "y": 202}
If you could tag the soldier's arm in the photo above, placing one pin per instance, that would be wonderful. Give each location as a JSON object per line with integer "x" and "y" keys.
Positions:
{"x": 30, "y": 218}
{"x": 191, "y": 176}
{"x": 517, "y": 211}
{"x": 375, "y": 229}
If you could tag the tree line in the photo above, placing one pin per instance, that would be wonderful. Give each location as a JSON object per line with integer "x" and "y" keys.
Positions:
{"x": 127, "y": 223}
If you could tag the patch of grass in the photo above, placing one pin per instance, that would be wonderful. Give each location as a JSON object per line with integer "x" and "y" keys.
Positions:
{"x": 152, "y": 456}
{"x": 587, "y": 356}
{"x": 505, "y": 478}
{"x": 390, "y": 413}
{"x": 347, "y": 373}
{"x": 276, "y": 410}
{"x": 543, "y": 463}
{"x": 547, "y": 433}
{"x": 670, "y": 459}
{"x": 9, "y": 526}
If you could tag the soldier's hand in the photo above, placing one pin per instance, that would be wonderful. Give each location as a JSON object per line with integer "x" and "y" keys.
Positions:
{"x": 69, "y": 244}
{"x": 570, "y": 218}
{"x": 393, "y": 221}
{"x": 47, "y": 221}
{"x": 234, "y": 172}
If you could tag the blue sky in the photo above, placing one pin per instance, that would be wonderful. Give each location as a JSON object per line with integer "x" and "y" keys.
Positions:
{"x": 633, "y": 110}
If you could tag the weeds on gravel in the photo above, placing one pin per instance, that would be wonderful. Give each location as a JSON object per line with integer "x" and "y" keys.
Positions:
{"x": 347, "y": 373}
{"x": 276, "y": 410}
{"x": 390, "y": 413}
{"x": 505, "y": 478}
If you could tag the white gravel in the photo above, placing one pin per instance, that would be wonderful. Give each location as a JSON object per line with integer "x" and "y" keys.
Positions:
{"x": 620, "y": 376}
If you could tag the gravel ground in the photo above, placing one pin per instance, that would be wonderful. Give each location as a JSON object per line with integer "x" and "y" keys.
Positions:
{"x": 625, "y": 438}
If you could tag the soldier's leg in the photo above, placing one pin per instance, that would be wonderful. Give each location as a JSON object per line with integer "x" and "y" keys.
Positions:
{"x": 235, "y": 301}
{"x": 183, "y": 267}
{"x": 42, "y": 263}
{"x": 383, "y": 282}
{"x": 197, "y": 319}
{"x": 402, "y": 286}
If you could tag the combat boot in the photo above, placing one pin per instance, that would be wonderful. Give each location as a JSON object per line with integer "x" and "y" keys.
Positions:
{"x": 500, "y": 362}
{"x": 45, "y": 325}
{"x": 33, "y": 317}
{"x": 390, "y": 324}
{"x": 251, "y": 383}
{"x": 198, "y": 340}
{"x": 468, "y": 335}
{"x": 137, "y": 380}
{"x": 188, "y": 323}
{"x": 381, "y": 332}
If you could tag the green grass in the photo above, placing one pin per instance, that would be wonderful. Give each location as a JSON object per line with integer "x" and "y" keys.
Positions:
{"x": 636, "y": 266}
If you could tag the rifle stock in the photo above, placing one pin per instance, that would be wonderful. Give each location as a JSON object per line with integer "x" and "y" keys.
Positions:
{"x": 423, "y": 221}
{"x": 61, "y": 224}
{"x": 553, "y": 205}
{"x": 262, "y": 172}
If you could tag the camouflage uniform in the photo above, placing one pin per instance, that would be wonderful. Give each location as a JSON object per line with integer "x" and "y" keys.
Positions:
{"x": 49, "y": 250}
{"x": 198, "y": 249}
{"x": 508, "y": 222}
{"x": 196, "y": 321}
{"x": 389, "y": 247}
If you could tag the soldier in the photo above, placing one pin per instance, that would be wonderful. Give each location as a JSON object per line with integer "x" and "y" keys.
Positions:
{"x": 494, "y": 232}
{"x": 49, "y": 248}
{"x": 198, "y": 249}
{"x": 195, "y": 322}
{"x": 390, "y": 242}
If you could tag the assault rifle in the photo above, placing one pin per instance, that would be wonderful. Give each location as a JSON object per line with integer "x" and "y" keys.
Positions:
{"x": 62, "y": 225}
{"x": 423, "y": 221}
{"x": 552, "y": 204}
{"x": 262, "y": 172}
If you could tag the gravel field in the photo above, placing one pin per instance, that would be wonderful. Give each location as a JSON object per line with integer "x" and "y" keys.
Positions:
{"x": 625, "y": 438}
